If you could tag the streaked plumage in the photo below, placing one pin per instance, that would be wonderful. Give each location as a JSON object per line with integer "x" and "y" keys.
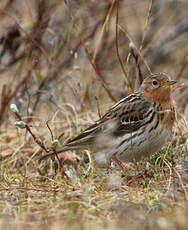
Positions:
{"x": 135, "y": 127}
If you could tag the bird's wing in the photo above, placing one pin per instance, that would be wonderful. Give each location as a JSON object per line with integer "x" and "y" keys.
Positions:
{"x": 130, "y": 114}
{"x": 87, "y": 137}
{"x": 126, "y": 116}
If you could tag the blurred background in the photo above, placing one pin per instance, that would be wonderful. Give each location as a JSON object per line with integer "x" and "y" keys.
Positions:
{"x": 51, "y": 52}
{"x": 63, "y": 63}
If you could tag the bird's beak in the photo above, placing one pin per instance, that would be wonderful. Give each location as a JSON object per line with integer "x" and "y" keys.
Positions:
{"x": 169, "y": 82}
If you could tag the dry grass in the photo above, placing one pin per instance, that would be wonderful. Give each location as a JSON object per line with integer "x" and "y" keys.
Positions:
{"x": 33, "y": 195}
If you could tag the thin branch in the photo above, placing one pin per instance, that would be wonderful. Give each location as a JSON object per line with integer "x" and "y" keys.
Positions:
{"x": 55, "y": 72}
{"x": 98, "y": 107}
{"x": 117, "y": 47}
{"x": 51, "y": 133}
{"x": 8, "y": 95}
{"x": 7, "y": 5}
{"x": 144, "y": 35}
{"x": 39, "y": 142}
{"x": 136, "y": 48}
{"x": 146, "y": 24}
{"x": 182, "y": 185}
{"x": 184, "y": 63}
{"x": 139, "y": 77}
{"x": 109, "y": 12}
{"x": 93, "y": 62}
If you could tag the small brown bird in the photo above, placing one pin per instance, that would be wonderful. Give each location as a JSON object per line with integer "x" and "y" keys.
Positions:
{"x": 135, "y": 127}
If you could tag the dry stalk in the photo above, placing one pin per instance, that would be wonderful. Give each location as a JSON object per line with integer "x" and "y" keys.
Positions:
{"x": 138, "y": 57}
{"x": 93, "y": 62}
{"x": 182, "y": 185}
{"x": 107, "y": 17}
{"x": 146, "y": 24}
{"x": 117, "y": 48}
{"x": 139, "y": 76}
{"x": 7, "y": 96}
{"x": 40, "y": 143}
{"x": 182, "y": 66}
{"x": 135, "y": 47}
{"x": 67, "y": 58}
{"x": 5, "y": 8}
{"x": 38, "y": 31}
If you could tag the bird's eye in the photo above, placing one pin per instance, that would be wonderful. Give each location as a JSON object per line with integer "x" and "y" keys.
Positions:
{"x": 155, "y": 83}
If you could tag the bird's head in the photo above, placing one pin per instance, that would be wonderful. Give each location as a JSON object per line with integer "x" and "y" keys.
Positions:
{"x": 157, "y": 88}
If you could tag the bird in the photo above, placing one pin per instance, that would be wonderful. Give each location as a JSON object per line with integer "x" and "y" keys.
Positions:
{"x": 135, "y": 127}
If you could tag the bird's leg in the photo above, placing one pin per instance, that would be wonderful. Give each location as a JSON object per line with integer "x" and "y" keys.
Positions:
{"x": 140, "y": 175}
{"x": 124, "y": 169}
{"x": 119, "y": 164}
{"x": 143, "y": 171}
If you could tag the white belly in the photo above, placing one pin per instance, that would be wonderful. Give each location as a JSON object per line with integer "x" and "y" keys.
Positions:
{"x": 143, "y": 145}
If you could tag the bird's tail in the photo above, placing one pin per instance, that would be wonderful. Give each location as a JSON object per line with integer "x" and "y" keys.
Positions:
{"x": 83, "y": 141}
{"x": 61, "y": 150}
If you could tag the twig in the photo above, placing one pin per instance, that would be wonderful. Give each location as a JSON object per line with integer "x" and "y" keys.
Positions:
{"x": 184, "y": 63}
{"x": 137, "y": 50}
{"x": 7, "y": 95}
{"x": 138, "y": 57}
{"x": 117, "y": 47}
{"x": 55, "y": 72}
{"x": 98, "y": 107}
{"x": 43, "y": 19}
{"x": 12, "y": 62}
{"x": 7, "y": 5}
{"x": 32, "y": 37}
{"x": 182, "y": 185}
{"x": 139, "y": 77}
{"x": 109, "y": 12}
{"x": 146, "y": 24}
{"x": 51, "y": 133}
{"x": 93, "y": 62}
{"x": 54, "y": 150}
{"x": 39, "y": 142}
{"x": 61, "y": 135}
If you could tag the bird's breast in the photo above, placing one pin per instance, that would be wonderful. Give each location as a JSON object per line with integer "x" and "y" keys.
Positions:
{"x": 144, "y": 142}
